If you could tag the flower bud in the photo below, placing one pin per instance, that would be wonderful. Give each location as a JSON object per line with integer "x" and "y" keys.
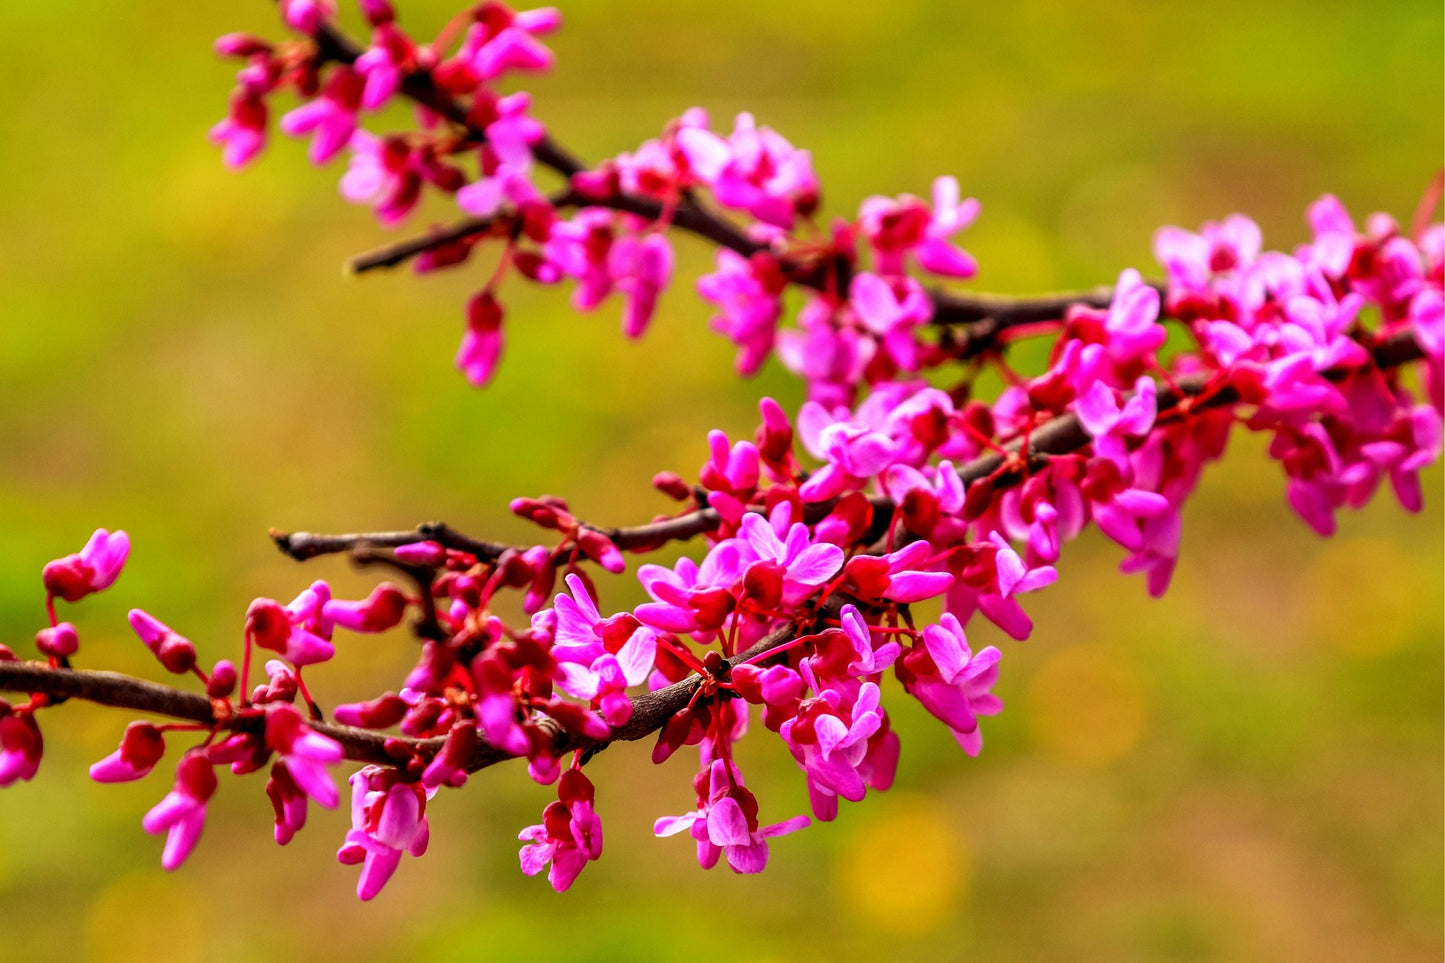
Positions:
{"x": 60, "y": 641}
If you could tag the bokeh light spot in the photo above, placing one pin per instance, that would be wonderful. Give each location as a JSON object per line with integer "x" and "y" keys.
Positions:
{"x": 1086, "y": 705}
{"x": 1366, "y": 597}
{"x": 904, "y": 871}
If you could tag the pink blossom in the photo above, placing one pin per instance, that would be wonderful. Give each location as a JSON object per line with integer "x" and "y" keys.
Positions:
{"x": 388, "y": 818}
{"x": 482, "y": 341}
{"x": 641, "y": 269}
{"x": 726, "y": 822}
{"x": 504, "y": 40}
{"x": 305, "y": 752}
{"x": 890, "y": 310}
{"x": 569, "y": 835}
{"x": 171, "y": 649}
{"x": 383, "y": 174}
{"x": 755, "y": 170}
{"x": 181, "y": 815}
{"x": 899, "y": 227}
{"x": 141, "y": 748}
{"x": 307, "y": 15}
{"x": 21, "y": 745}
{"x": 802, "y": 564}
{"x": 829, "y": 739}
{"x": 748, "y": 292}
{"x": 331, "y": 118}
{"x": 952, "y": 683}
{"x": 242, "y": 134}
{"x": 94, "y": 568}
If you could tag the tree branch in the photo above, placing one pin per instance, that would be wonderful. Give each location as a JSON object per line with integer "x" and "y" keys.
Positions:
{"x": 690, "y": 214}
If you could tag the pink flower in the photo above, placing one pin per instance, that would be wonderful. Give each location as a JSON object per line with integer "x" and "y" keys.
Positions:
{"x": 899, "y": 227}
{"x": 641, "y": 270}
{"x": 951, "y": 682}
{"x": 802, "y": 565}
{"x": 21, "y": 745}
{"x": 890, "y": 310}
{"x": 172, "y": 650}
{"x": 569, "y": 834}
{"x": 1109, "y": 423}
{"x": 726, "y": 821}
{"x": 504, "y": 40}
{"x": 854, "y": 450}
{"x": 284, "y": 630}
{"x": 242, "y": 134}
{"x": 181, "y": 815}
{"x": 93, "y": 568}
{"x": 748, "y": 292}
{"x": 388, "y": 818}
{"x": 305, "y": 752}
{"x": 755, "y": 170}
{"x": 141, "y": 748}
{"x": 331, "y": 118}
{"x": 384, "y": 174}
{"x": 307, "y": 15}
{"x": 829, "y": 738}
{"x": 482, "y": 342}
{"x": 1192, "y": 259}
{"x": 383, "y": 609}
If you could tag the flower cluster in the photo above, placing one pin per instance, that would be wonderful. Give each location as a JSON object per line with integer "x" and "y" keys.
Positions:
{"x": 847, "y": 552}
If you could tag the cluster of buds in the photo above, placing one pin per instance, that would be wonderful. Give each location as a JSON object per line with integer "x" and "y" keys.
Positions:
{"x": 805, "y": 609}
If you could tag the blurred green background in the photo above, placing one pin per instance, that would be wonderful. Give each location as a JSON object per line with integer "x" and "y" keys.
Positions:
{"x": 1248, "y": 769}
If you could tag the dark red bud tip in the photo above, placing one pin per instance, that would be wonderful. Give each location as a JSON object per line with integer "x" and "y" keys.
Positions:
{"x": 671, "y": 485}
{"x": 142, "y": 745}
{"x": 575, "y": 787}
{"x": 223, "y": 680}
{"x": 177, "y": 654}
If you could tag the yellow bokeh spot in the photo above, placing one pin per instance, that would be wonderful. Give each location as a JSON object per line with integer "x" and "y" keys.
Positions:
{"x": 1367, "y": 597}
{"x": 146, "y": 917}
{"x": 904, "y": 871}
{"x": 1086, "y": 705}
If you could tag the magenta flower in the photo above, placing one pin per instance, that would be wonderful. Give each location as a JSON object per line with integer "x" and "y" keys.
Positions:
{"x": 748, "y": 293}
{"x": 569, "y": 834}
{"x": 755, "y": 170}
{"x": 305, "y": 752}
{"x": 952, "y": 683}
{"x": 1192, "y": 259}
{"x": 94, "y": 568}
{"x": 890, "y": 310}
{"x": 802, "y": 564}
{"x": 181, "y": 815}
{"x": 854, "y": 450}
{"x": 307, "y": 15}
{"x": 899, "y": 227}
{"x": 641, "y": 270}
{"x": 505, "y": 40}
{"x": 141, "y": 748}
{"x": 384, "y": 174}
{"x": 829, "y": 739}
{"x": 383, "y": 609}
{"x": 388, "y": 818}
{"x": 331, "y": 118}
{"x": 1110, "y": 423}
{"x": 242, "y": 133}
{"x": 172, "y": 650}
{"x": 21, "y": 745}
{"x": 483, "y": 340}
{"x": 284, "y": 630}
{"x": 726, "y": 822}
{"x": 692, "y": 597}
